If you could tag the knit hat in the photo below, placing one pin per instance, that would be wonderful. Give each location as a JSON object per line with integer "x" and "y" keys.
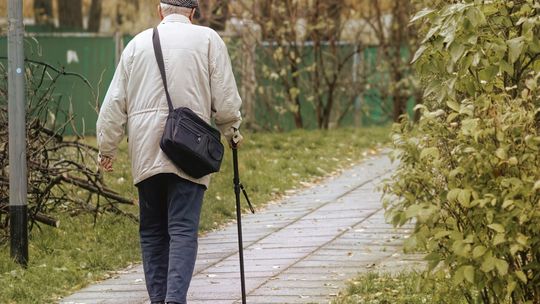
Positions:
{"x": 182, "y": 3}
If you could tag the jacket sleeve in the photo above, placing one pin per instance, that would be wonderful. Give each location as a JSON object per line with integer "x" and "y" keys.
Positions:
{"x": 112, "y": 117}
{"x": 226, "y": 101}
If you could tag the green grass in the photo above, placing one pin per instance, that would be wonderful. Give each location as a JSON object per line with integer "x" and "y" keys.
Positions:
{"x": 404, "y": 288}
{"x": 66, "y": 259}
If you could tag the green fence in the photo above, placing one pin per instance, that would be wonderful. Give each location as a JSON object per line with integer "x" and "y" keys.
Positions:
{"x": 94, "y": 57}
{"x": 366, "y": 108}
{"x": 91, "y": 56}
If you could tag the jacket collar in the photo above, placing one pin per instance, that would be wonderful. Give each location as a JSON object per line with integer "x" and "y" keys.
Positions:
{"x": 176, "y": 18}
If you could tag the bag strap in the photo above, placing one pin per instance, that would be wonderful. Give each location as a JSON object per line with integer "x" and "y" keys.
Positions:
{"x": 161, "y": 64}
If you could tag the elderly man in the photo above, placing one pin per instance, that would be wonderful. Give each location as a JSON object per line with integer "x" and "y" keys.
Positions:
{"x": 200, "y": 77}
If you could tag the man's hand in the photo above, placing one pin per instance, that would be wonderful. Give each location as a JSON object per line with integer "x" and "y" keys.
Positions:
{"x": 237, "y": 139}
{"x": 106, "y": 163}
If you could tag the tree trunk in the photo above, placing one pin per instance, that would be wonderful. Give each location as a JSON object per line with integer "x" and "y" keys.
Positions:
{"x": 126, "y": 12}
{"x": 94, "y": 19}
{"x": 400, "y": 38}
{"x": 204, "y": 13}
{"x": 43, "y": 12}
{"x": 265, "y": 15}
{"x": 298, "y": 120}
{"x": 70, "y": 14}
{"x": 398, "y": 108}
{"x": 220, "y": 15}
{"x": 328, "y": 13}
{"x": 328, "y": 110}
{"x": 332, "y": 13}
{"x": 214, "y": 14}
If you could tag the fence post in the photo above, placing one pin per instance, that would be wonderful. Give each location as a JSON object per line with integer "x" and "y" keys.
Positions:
{"x": 118, "y": 47}
{"x": 18, "y": 208}
{"x": 250, "y": 36}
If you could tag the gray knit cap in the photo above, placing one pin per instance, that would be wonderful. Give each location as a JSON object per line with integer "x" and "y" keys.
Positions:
{"x": 182, "y": 3}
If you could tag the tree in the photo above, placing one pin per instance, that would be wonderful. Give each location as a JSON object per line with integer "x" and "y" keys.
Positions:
{"x": 62, "y": 171}
{"x": 43, "y": 12}
{"x": 304, "y": 63}
{"x": 309, "y": 47}
{"x": 265, "y": 15}
{"x": 326, "y": 17}
{"x": 330, "y": 58}
{"x": 94, "y": 19}
{"x": 214, "y": 14}
{"x": 70, "y": 14}
{"x": 396, "y": 41}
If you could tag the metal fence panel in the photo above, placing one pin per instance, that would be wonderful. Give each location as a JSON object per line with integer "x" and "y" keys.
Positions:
{"x": 92, "y": 56}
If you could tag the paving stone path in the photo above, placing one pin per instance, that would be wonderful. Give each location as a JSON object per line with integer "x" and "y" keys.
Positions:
{"x": 301, "y": 250}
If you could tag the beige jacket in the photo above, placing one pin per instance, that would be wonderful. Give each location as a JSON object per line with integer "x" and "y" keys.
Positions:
{"x": 200, "y": 77}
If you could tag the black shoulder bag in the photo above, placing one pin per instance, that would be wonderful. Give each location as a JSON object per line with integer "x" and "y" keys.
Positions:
{"x": 190, "y": 143}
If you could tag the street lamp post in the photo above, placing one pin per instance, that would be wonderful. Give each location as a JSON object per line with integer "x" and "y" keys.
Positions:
{"x": 17, "y": 134}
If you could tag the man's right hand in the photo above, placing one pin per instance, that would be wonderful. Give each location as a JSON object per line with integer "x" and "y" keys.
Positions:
{"x": 105, "y": 163}
{"x": 237, "y": 139}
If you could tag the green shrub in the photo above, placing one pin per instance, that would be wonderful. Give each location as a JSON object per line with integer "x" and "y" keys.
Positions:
{"x": 469, "y": 171}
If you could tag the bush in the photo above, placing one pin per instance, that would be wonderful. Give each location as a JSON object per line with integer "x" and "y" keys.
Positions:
{"x": 469, "y": 171}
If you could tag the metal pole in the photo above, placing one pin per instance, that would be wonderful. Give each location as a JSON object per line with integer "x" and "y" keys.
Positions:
{"x": 358, "y": 99}
{"x": 237, "y": 189}
{"x": 17, "y": 134}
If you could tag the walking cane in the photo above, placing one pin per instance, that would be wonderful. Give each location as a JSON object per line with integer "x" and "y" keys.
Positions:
{"x": 237, "y": 188}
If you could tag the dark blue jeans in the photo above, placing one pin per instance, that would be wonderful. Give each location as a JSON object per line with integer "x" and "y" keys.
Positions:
{"x": 170, "y": 209}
